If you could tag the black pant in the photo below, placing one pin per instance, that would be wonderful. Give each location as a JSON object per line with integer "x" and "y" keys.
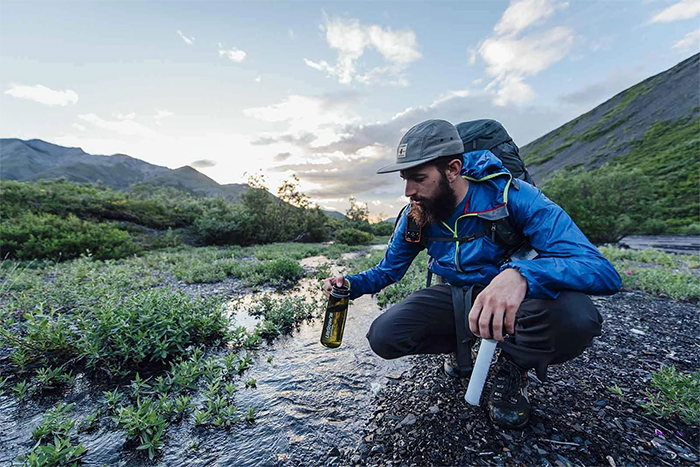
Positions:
{"x": 546, "y": 331}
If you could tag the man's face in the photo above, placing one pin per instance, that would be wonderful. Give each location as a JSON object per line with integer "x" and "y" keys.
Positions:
{"x": 430, "y": 193}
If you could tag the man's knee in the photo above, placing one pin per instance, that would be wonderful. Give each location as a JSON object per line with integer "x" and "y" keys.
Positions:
{"x": 381, "y": 340}
{"x": 575, "y": 322}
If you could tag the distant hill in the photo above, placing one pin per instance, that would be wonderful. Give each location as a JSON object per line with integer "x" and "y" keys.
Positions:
{"x": 652, "y": 126}
{"x": 36, "y": 159}
{"x": 612, "y": 129}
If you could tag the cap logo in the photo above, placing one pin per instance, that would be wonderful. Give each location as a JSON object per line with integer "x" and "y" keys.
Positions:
{"x": 401, "y": 153}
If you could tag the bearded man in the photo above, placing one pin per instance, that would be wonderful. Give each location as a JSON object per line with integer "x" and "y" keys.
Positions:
{"x": 535, "y": 306}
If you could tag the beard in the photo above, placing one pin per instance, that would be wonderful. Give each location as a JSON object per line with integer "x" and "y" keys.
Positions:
{"x": 437, "y": 208}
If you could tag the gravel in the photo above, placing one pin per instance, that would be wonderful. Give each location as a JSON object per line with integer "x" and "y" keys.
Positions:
{"x": 422, "y": 419}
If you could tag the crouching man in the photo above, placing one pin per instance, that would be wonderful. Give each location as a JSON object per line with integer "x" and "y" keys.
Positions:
{"x": 463, "y": 205}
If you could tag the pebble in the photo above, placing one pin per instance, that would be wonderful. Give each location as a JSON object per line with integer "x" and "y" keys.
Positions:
{"x": 434, "y": 409}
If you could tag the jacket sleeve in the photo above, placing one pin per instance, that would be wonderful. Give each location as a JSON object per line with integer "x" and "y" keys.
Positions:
{"x": 398, "y": 257}
{"x": 568, "y": 260}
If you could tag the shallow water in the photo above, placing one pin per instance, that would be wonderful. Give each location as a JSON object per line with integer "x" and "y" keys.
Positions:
{"x": 688, "y": 244}
{"x": 309, "y": 400}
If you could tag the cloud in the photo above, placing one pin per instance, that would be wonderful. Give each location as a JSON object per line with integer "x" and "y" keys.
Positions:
{"x": 203, "y": 163}
{"x": 690, "y": 41}
{"x": 685, "y": 9}
{"x": 188, "y": 40}
{"x": 124, "y": 127}
{"x": 43, "y": 95}
{"x": 282, "y": 156}
{"x": 331, "y": 173}
{"x": 78, "y": 127}
{"x": 232, "y": 54}
{"x": 350, "y": 39}
{"x": 521, "y": 14}
{"x": 313, "y": 120}
{"x": 511, "y": 58}
{"x": 258, "y": 79}
{"x": 161, "y": 114}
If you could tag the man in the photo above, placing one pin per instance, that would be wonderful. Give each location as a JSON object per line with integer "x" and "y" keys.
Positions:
{"x": 537, "y": 309}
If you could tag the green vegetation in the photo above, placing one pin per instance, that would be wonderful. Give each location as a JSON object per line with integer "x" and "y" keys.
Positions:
{"x": 656, "y": 272}
{"x": 669, "y": 154}
{"x": 675, "y": 393}
{"x": 606, "y": 204}
{"x": 159, "y": 349}
{"x": 353, "y": 237}
{"x": 48, "y": 236}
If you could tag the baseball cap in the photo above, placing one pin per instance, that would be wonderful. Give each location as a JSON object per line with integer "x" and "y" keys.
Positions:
{"x": 423, "y": 143}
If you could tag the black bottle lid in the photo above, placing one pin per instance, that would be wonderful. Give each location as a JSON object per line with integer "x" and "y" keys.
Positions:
{"x": 340, "y": 292}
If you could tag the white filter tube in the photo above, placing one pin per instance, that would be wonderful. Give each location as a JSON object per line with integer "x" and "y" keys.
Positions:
{"x": 480, "y": 371}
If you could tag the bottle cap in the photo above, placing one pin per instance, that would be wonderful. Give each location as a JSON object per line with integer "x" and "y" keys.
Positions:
{"x": 340, "y": 292}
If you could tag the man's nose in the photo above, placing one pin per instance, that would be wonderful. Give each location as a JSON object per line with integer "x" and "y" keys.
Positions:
{"x": 410, "y": 189}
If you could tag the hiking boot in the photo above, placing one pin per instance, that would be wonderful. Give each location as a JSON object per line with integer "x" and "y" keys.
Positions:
{"x": 452, "y": 369}
{"x": 509, "y": 406}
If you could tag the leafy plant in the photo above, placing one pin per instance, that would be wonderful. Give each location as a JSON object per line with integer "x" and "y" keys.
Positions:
{"x": 55, "y": 423}
{"x": 675, "y": 393}
{"x": 143, "y": 424}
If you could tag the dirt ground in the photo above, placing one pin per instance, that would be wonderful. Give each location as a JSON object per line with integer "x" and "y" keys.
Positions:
{"x": 422, "y": 419}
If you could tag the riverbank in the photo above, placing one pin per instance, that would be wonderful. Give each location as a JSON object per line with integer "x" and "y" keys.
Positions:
{"x": 579, "y": 416}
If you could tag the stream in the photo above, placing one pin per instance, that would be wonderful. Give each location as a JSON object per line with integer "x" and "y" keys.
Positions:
{"x": 311, "y": 402}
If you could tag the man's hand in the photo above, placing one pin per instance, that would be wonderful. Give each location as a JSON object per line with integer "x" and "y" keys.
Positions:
{"x": 330, "y": 282}
{"x": 497, "y": 304}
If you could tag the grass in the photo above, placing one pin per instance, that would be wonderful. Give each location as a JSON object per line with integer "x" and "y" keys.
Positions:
{"x": 656, "y": 272}
{"x": 675, "y": 394}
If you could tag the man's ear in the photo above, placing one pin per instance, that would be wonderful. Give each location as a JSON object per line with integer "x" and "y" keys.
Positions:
{"x": 453, "y": 170}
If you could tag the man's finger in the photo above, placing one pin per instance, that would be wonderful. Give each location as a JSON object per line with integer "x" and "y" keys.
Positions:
{"x": 510, "y": 319}
{"x": 498, "y": 324}
{"x": 485, "y": 321}
{"x": 474, "y": 317}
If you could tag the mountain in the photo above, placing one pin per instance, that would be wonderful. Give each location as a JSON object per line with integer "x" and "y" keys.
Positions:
{"x": 667, "y": 103}
{"x": 36, "y": 159}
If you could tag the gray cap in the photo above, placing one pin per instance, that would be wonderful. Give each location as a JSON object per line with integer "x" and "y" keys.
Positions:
{"x": 423, "y": 143}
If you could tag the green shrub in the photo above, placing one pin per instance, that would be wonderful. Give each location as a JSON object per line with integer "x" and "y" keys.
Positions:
{"x": 675, "y": 393}
{"x": 352, "y": 237}
{"x": 606, "y": 204}
{"x": 652, "y": 227}
{"x": 382, "y": 229}
{"x": 692, "y": 229}
{"x": 152, "y": 326}
{"x": 281, "y": 270}
{"x": 33, "y": 236}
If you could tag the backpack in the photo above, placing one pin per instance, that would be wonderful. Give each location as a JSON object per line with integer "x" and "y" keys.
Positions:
{"x": 490, "y": 134}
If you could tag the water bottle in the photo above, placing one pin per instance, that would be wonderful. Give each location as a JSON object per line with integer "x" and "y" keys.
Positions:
{"x": 334, "y": 321}
{"x": 480, "y": 371}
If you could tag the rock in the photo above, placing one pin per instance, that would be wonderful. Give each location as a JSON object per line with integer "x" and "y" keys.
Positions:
{"x": 410, "y": 419}
{"x": 356, "y": 459}
{"x": 434, "y": 409}
{"x": 378, "y": 449}
{"x": 334, "y": 452}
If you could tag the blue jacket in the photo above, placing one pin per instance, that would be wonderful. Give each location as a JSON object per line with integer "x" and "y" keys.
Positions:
{"x": 567, "y": 260}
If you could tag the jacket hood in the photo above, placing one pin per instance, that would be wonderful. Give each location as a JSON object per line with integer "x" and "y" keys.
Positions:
{"x": 477, "y": 165}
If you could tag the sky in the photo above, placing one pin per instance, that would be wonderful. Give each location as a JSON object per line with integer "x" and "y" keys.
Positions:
{"x": 320, "y": 90}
